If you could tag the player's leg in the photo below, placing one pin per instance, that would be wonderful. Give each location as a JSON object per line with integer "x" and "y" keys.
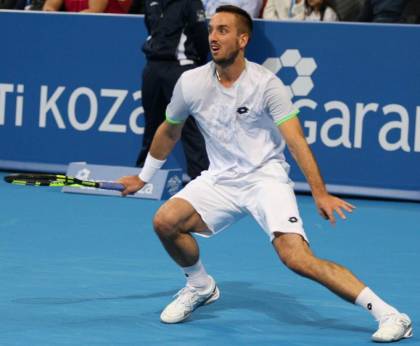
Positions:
{"x": 174, "y": 222}
{"x": 285, "y": 229}
{"x": 295, "y": 253}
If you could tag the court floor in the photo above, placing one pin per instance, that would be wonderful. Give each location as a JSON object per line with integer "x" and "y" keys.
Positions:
{"x": 87, "y": 270}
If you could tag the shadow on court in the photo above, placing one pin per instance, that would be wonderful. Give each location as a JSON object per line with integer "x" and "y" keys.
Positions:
{"x": 235, "y": 296}
{"x": 63, "y": 301}
{"x": 277, "y": 306}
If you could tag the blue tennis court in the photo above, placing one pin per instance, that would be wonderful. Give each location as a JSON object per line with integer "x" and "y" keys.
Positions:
{"x": 87, "y": 270}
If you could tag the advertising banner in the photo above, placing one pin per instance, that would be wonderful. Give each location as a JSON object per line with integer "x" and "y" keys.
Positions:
{"x": 358, "y": 89}
{"x": 70, "y": 91}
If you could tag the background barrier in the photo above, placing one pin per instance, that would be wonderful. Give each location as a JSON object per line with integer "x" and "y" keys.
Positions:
{"x": 70, "y": 91}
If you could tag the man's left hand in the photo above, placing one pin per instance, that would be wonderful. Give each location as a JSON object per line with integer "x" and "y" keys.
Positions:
{"x": 328, "y": 204}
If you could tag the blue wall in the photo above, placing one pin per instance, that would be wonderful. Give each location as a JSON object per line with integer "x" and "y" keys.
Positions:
{"x": 70, "y": 91}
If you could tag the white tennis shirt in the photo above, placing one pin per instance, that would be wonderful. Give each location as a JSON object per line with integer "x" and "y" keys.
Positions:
{"x": 239, "y": 124}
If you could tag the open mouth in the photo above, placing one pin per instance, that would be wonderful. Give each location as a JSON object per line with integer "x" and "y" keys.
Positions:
{"x": 214, "y": 47}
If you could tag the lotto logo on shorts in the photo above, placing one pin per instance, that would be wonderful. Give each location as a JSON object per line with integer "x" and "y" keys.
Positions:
{"x": 242, "y": 110}
{"x": 293, "y": 219}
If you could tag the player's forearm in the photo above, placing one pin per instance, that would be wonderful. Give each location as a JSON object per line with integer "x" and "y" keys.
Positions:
{"x": 304, "y": 157}
{"x": 164, "y": 140}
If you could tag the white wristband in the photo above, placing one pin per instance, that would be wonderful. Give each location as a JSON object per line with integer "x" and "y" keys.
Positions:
{"x": 151, "y": 166}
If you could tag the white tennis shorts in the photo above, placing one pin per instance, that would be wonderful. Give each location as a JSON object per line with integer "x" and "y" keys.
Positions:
{"x": 264, "y": 194}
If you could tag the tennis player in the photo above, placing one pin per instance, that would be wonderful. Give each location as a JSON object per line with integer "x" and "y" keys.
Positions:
{"x": 243, "y": 111}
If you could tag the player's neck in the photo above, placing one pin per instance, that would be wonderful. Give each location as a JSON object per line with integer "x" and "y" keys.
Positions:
{"x": 227, "y": 75}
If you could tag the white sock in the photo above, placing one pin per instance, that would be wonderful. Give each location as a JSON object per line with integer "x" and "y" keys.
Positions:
{"x": 197, "y": 276}
{"x": 373, "y": 304}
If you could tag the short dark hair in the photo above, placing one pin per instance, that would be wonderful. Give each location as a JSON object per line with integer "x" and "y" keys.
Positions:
{"x": 241, "y": 14}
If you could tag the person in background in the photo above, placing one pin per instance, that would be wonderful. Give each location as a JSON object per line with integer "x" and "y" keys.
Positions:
{"x": 382, "y": 11}
{"x": 311, "y": 10}
{"x": 7, "y": 4}
{"x": 177, "y": 43}
{"x": 347, "y": 10}
{"x": 253, "y": 7}
{"x": 30, "y": 5}
{"x": 89, "y": 6}
{"x": 411, "y": 12}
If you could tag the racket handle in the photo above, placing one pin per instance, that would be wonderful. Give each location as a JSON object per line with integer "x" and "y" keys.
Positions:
{"x": 108, "y": 185}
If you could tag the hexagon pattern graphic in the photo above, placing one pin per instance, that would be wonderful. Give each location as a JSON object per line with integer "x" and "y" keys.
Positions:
{"x": 290, "y": 57}
{"x": 302, "y": 86}
{"x": 273, "y": 64}
{"x": 304, "y": 68}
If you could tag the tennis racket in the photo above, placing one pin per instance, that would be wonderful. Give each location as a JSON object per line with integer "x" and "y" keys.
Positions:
{"x": 59, "y": 180}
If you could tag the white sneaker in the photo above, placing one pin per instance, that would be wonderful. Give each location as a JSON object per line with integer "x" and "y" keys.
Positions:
{"x": 393, "y": 327}
{"x": 188, "y": 299}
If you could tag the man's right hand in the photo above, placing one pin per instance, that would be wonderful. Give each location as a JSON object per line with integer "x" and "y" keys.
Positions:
{"x": 132, "y": 184}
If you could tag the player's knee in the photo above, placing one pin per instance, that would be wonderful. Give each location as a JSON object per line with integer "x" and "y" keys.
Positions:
{"x": 299, "y": 263}
{"x": 165, "y": 224}
{"x": 295, "y": 254}
{"x": 292, "y": 262}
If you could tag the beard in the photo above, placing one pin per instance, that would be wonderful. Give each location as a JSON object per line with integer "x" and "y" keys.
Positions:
{"x": 228, "y": 60}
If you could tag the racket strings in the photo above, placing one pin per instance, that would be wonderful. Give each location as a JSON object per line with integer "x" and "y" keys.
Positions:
{"x": 35, "y": 179}
{"x": 45, "y": 180}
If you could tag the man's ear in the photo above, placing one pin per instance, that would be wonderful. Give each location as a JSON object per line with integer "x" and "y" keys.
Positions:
{"x": 243, "y": 40}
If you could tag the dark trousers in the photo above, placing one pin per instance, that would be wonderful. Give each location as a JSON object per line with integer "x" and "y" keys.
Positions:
{"x": 159, "y": 79}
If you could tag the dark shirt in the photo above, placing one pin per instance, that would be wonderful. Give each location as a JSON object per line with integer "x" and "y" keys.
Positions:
{"x": 35, "y": 5}
{"x": 411, "y": 13}
{"x": 384, "y": 11}
{"x": 177, "y": 29}
{"x": 137, "y": 7}
{"x": 7, "y": 4}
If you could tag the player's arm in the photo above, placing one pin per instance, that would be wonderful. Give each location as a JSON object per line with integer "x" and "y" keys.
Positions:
{"x": 327, "y": 204}
{"x": 164, "y": 140}
{"x": 52, "y": 5}
{"x": 163, "y": 143}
